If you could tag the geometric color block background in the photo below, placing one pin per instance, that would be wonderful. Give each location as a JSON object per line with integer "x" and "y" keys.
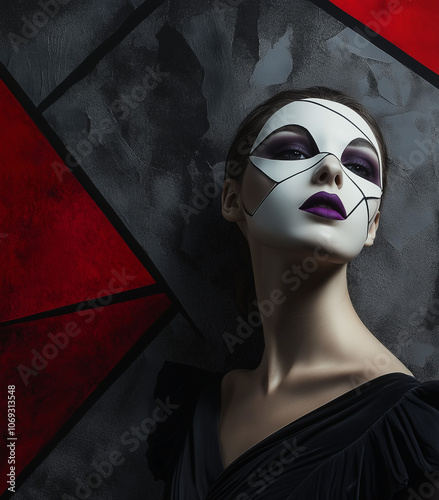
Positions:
{"x": 62, "y": 254}
{"x": 59, "y": 245}
{"x": 411, "y": 26}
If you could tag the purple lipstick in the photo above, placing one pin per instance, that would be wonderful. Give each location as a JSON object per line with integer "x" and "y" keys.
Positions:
{"x": 325, "y": 205}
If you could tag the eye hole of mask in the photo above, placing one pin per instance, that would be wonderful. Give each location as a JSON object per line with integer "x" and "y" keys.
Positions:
{"x": 291, "y": 142}
{"x": 361, "y": 158}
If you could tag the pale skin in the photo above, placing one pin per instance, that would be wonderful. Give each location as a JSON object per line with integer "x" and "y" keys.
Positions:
{"x": 316, "y": 346}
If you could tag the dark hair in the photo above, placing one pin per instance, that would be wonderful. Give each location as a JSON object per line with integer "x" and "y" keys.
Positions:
{"x": 237, "y": 160}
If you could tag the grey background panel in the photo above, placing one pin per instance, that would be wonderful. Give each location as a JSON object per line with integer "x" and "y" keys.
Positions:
{"x": 43, "y": 41}
{"x": 168, "y": 144}
{"x": 151, "y": 125}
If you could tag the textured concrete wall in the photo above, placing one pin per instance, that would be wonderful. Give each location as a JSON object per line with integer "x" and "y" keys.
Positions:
{"x": 150, "y": 123}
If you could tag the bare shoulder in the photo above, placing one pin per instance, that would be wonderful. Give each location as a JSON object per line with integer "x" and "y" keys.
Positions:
{"x": 371, "y": 361}
{"x": 234, "y": 381}
{"x": 233, "y": 377}
{"x": 376, "y": 361}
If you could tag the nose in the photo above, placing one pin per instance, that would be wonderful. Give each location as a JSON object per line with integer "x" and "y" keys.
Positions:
{"x": 329, "y": 171}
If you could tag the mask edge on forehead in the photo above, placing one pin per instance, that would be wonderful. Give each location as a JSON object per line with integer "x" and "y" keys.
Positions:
{"x": 370, "y": 136}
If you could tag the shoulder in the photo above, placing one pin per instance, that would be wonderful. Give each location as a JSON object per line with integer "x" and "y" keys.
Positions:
{"x": 371, "y": 362}
{"x": 407, "y": 438}
{"x": 178, "y": 386}
{"x": 236, "y": 384}
{"x": 374, "y": 359}
{"x": 397, "y": 454}
{"x": 233, "y": 379}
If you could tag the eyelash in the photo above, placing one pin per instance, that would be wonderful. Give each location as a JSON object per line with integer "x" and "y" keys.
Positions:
{"x": 366, "y": 172}
{"x": 287, "y": 151}
{"x": 294, "y": 152}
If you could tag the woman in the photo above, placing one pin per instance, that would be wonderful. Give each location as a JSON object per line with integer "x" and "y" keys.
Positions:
{"x": 329, "y": 413}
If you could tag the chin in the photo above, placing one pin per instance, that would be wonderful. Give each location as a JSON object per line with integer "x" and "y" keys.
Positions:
{"x": 323, "y": 240}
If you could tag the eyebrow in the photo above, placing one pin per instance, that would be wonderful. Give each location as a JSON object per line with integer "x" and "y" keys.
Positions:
{"x": 360, "y": 142}
{"x": 298, "y": 129}
{"x": 290, "y": 128}
{"x": 295, "y": 129}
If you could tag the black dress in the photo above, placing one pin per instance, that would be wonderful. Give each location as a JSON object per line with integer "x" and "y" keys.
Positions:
{"x": 379, "y": 441}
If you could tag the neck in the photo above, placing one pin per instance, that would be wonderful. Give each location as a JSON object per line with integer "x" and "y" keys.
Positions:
{"x": 307, "y": 315}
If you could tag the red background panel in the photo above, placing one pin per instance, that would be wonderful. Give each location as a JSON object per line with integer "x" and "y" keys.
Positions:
{"x": 59, "y": 247}
{"x": 56, "y": 380}
{"x": 411, "y": 25}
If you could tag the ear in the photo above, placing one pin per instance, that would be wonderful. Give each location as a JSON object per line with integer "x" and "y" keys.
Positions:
{"x": 372, "y": 231}
{"x": 232, "y": 208}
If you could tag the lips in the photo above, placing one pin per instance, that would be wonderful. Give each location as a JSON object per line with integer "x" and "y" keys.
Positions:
{"x": 325, "y": 205}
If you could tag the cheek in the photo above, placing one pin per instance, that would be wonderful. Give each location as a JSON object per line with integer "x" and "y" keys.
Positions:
{"x": 255, "y": 187}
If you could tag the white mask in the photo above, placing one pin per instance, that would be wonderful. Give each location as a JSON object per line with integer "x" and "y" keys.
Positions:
{"x": 337, "y": 154}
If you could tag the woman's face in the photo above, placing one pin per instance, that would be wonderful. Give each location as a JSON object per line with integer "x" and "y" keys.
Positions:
{"x": 314, "y": 178}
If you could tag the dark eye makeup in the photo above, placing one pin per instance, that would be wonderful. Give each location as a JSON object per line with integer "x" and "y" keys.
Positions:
{"x": 289, "y": 143}
{"x": 294, "y": 142}
{"x": 361, "y": 158}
